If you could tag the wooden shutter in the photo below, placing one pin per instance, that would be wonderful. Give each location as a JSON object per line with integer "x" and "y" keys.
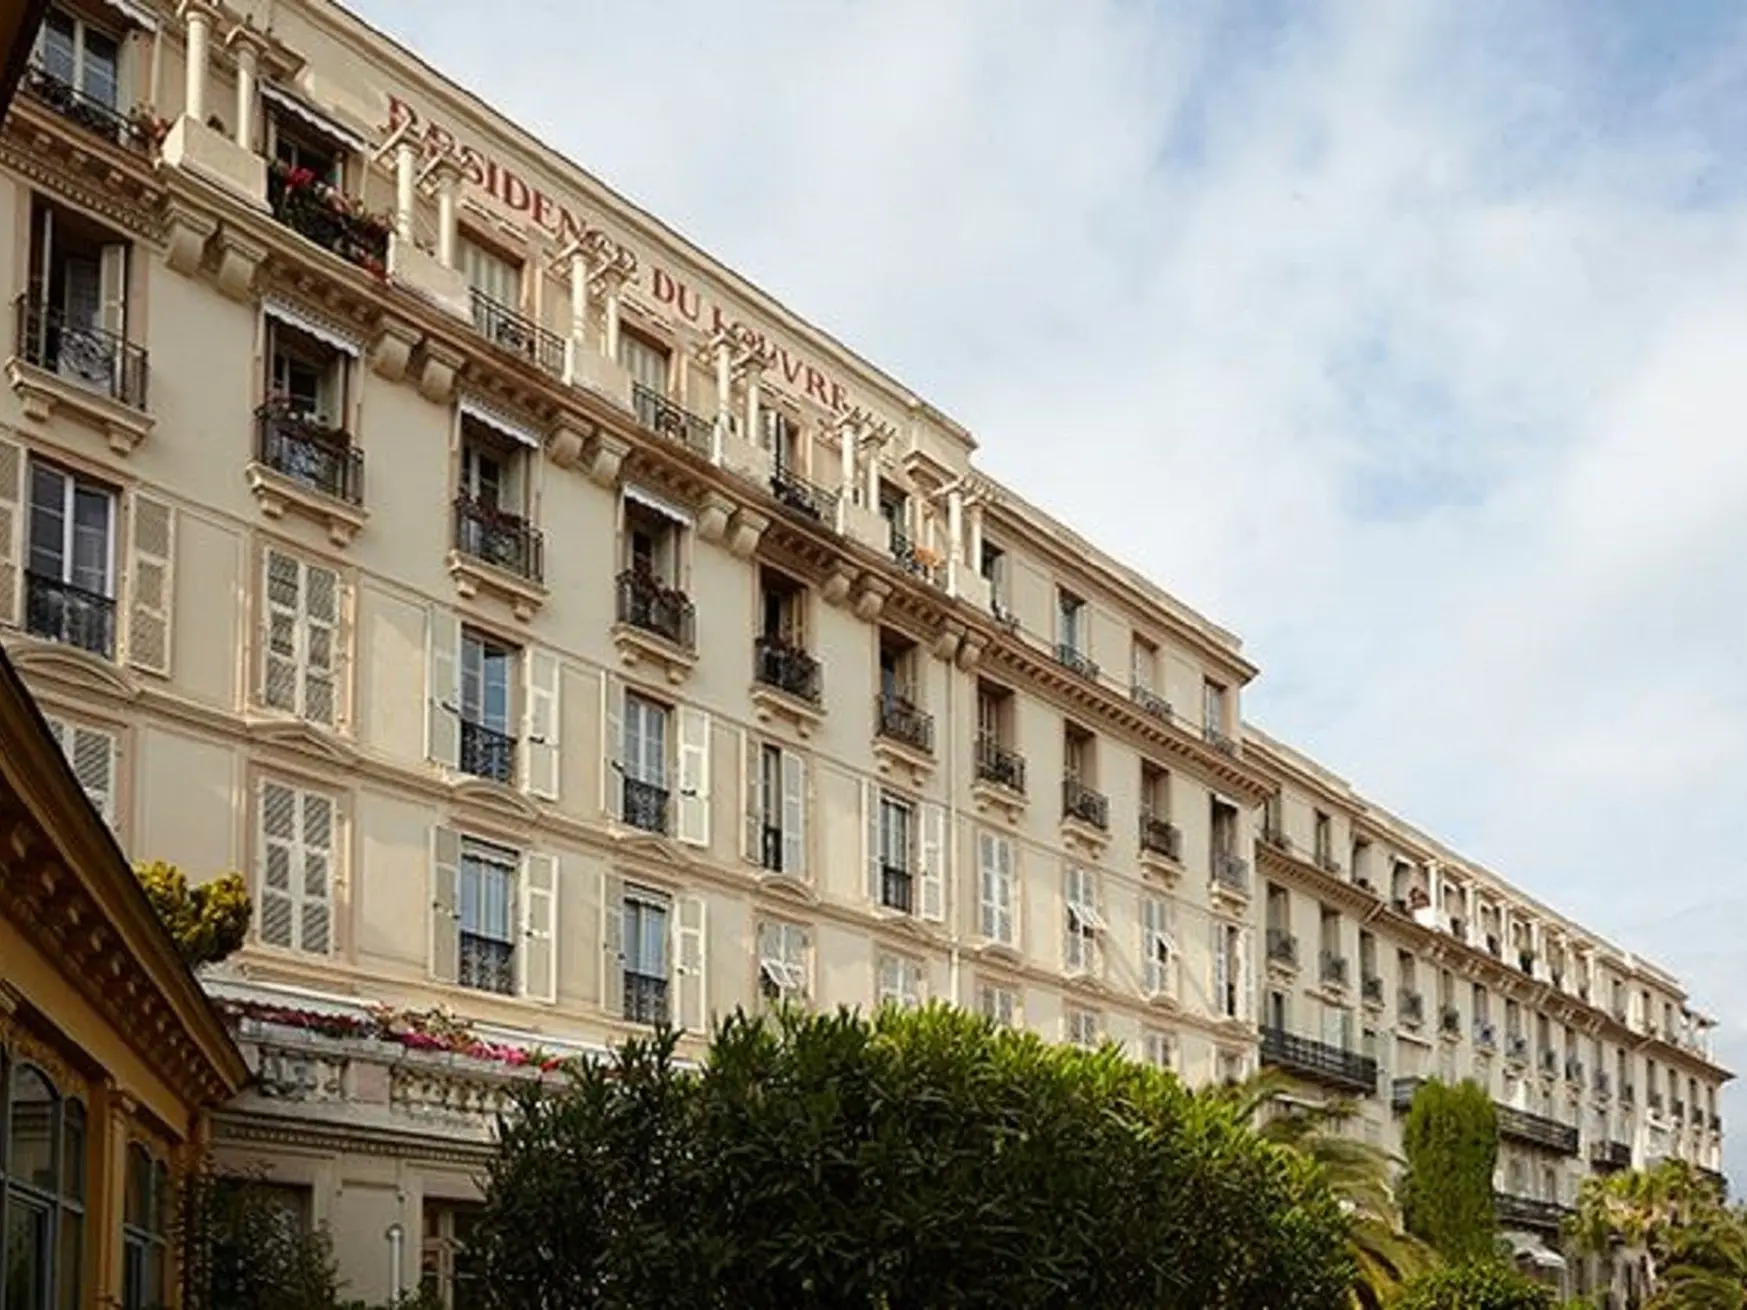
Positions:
{"x": 321, "y": 629}
{"x": 443, "y": 687}
{"x": 316, "y": 891}
{"x": 613, "y": 945}
{"x": 751, "y": 799}
{"x": 691, "y": 959}
{"x": 694, "y": 776}
{"x": 870, "y": 830}
{"x": 930, "y": 863}
{"x": 445, "y": 904}
{"x": 276, "y": 888}
{"x": 92, "y": 753}
{"x": 151, "y": 585}
{"x": 794, "y": 814}
{"x": 281, "y": 618}
{"x": 544, "y": 676}
{"x": 539, "y": 952}
{"x": 987, "y": 908}
{"x": 112, "y": 290}
{"x": 1246, "y": 993}
{"x": 12, "y": 513}
{"x": 612, "y": 743}
{"x": 1219, "y": 969}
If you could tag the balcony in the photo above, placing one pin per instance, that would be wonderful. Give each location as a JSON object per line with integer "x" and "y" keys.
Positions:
{"x": 1274, "y": 835}
{"x": 1450, "y": 1021}
{"x": 1536, "y": 1130}
{"x": 1603, "y": 1085}
{"x": 1574, "y": 1071}
{"x": 1485, "y": 1035}
{"x": 1231, "y": 873}
{"x": 514, "y": 334}
{"x": 1282, "y": 948}
{"x": 311, "y": 458}
{"x": 999, "y": 765}
{"x": 649, "y": 605}
{"x": 1401, "y": 1093}
{"x": 1319, "y": 1062}
{"x": 1070, "y": 656}
{"x": 1550, "y": 1063}
{"x": 787, "y": 668}
{"x": 1610, "y": 1156}
{"x": 81, "y": 353}
{"x": 135, "y": 131}
{"x": 896, "y": 719}
{"x": 645, "y": 998}
{"x": 915, "y": 559}
{"x": 504, "y": 541}
{"x": 1529, "y": 1212}
{"x": 1161, "y": 837}
{"x": 1679, "y": 1111}
{"x": 327, "y": 216}
{"x": 1628, "y": 1093}
{"x": 1654, "y": 1102}
{"x": 1371, "y": 989}
{"x": 486, "y": 964}
{"x": 1525, "y": 961}
{"x": 1150, "y": 701}
{"x": 1082, "y": 803}
{"x": 667, "y": 419}
{"x": 1218, "y": 740}
{"x": 1411, "y": 1006}
{"x": 1516, "y": 1048}
{"x": 793, "y": 492}
{"x": 897, "y": 888}
{"x": 70, "y": 615}
{"x": 487, "y": 753}
{"x": 1333, "y": 969}
{"x": 644, "y": 806}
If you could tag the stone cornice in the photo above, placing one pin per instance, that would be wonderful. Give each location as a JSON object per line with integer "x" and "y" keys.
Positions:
{"x": 79, "y": 165}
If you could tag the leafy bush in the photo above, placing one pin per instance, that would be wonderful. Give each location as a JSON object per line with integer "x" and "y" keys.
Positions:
{"x": 1451, "y": 1143}
{"x": 911, "y": 1160}
{"x": 208, "y": 921}
{"x": 1475, "y": 1285}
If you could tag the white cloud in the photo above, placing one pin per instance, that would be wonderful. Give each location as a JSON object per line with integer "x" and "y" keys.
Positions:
{"x": 1402, "y": 338}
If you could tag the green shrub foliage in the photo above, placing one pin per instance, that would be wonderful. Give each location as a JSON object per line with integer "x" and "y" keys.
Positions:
{"x": 910, "y": 1160}
{"x": 1451, "y": 1144}
{"x": 1475, "y": 1285}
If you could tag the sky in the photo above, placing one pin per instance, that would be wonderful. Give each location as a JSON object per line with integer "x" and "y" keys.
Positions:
{"x": 1406, "y": 338}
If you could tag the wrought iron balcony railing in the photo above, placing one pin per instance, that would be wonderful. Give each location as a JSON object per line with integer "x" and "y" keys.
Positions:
{"x": 914, "y": 559}
{"x": 1536, "y": 1130}
{"x": 1231, "y": 872}
{"x": 1608, "y": 1156}
{"x": 1218, "y": 740}
{"x": 999, "y": 764}
{"x": 1485, "y": 1035}
{"x": 1401, "y": 1093}
{"x": 646, "y": 602}
{"x": 1450, "y": 1020}
{"x": 897, "y": 888}
{"x": 896, "y": 719}
{"x": 788, "y": 668}
{"x": 1274, "y": 835}
{"x": 1573, "y": 1070}
{"x": 796, "y": 493}
{"x": 1602, "y": 1084}
{"x": 1085, "y": 803}
{"x": 1150, "y": 701}
{"x": 81, "y": 352}
{"x": 325, "y": 215}
{"x": 1529, "y": 1212}
{"x": 516, "y": 334}
{"x": 1516, "y": 1048}
{"x": 487, "y": 964}
{"x": 1411, "y": 1005}
{"x": 487, "y": 753}
{"x": 86, "y": 110}
{"x": 1334, "y": 969}
{"x": 1371, "y": 988}
{"x": 502, "y": 540}
{"x": 320, "y": 458}
{"x": 770, "y": 847}
{"x": 1282, "y": 947}
{"x": 1319, "y": 1062}
{"x": 1072, "y": 657}
{"x": 1550, "y": 1062}
{"x": 1161, "y": 837}
{"x": 668, "y": 419}
{"x": 645, "y": 998}
{"x": 71, "y": 615}
{"x": 645, "y": 805}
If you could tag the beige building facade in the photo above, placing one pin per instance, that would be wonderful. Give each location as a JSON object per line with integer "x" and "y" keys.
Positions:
{"x": 558, "y": 630}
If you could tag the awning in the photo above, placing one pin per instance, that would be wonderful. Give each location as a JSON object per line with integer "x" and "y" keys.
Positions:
{"x": 136, "y": 14}
{"x": 1526, "y": 1246}
{"x": 324, "y": 330}
{"x": 498, "y": 421}
{"x": 297, "y": 105}
{"x": 656, "y": 503}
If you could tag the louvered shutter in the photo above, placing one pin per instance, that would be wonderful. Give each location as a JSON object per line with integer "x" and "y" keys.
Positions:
{"x": 870, "y": 829}
{"x": 279, "y": 873}
{"x": 282, "y": 608}
{"x": 794, "y": 814}
{"x": 612, "y": 744}
{"x": 541, "y": 735}
{"x": 694, "y": 776}
{"x": 612, "y": 894}
{"x": 539, "y": 955}
{"x": 691, "y": 960}
{"x": 316, "y": 917}
{"x": 321, "y": 624}
{"x": 12, "y": 516}
{"x": 443, "y": 687}
{"x": 751, "y": 799}
{"x": 445, "y": 904}
{"x": 93, "y": 757}
{"x": 930, "y": 862}
{"x": 151, "y": 585}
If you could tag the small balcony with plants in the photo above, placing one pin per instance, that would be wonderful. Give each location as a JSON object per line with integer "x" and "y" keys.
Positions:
{"x": 62, "y": 612}
{"x": 303, "y": 465}
{"x": 73, "y": 364}
{"x": 656, "y": 623}
{"x": 799, "y": 496}
{"x": 781, "y": 666}
{"x": 898, "y": 721}
{"x": 498, "y": 551}
{"x": 320, "y": 212}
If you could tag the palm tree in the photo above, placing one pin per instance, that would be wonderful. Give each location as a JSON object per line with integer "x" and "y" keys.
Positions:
{"x": 1670, "y": 1223}
{"x": 1359, "y": 1174}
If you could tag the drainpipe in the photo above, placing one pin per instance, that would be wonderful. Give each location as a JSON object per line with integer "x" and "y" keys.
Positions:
{"x": 953, "y": 881}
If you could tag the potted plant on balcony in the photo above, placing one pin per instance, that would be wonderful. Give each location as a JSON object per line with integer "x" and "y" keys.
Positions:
{"x": 329, "y": 217}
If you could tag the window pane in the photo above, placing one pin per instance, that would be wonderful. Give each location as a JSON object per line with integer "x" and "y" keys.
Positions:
{"x": 72, "y": 1236}
{"x": 48, "y": 522}
{"x": 73, "y": 1152}
{"x": 27, "y": 1255}
{"x": 98, "y": 73}
{"x": 56, "y": 47}
{"x": 497, "y": 690}
{"x": 34, "y": 1130}
{"x": 91, "y": 540}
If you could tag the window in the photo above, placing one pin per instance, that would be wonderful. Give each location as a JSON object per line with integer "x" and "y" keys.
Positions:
{"x": 1223, "y": 820}
{"x": 490, "y": 471}
{"x": 70, "y": 576}
{"x": 81, "y": 57}
{"x": 76, "y": 319}
{"x": 488, "y": 749}
{"x": 777, "y": 836}
{"x": 781, "y": 610}
{"x": 1325, "y": 842}
{"x": 648, "y": 919}
{"x": 644, "y": 761}
{"x": 1083, "y": 1028}
{"x": 1079, "y": 754}
{"x": 895, "y": 834}
{"x": 900, "y": 981}
{"x": 1070, "y": 623}
{"x": 42, "y": 1190}
{"x": 993, "y": 566}
{"x": 1233, "y": 1066}
{"x": 488, "y": 899}
{"x": 782, "y": 962}
{"x": 144, "y": 1229}
{"x": 1367, "y": 954}
{"x": 92, "y": 753}
{"x": 1213, "y": 713}
{"x": 996, "y": 895}
{"x": 447, "y": 1273}
{"x": 652, "y": 542}
{"x": 999, "y": 1005}
{"x": 294, "y": 885}
{"x": 1083, "y": 921}
{"x": 1278, "y": 1014}
{"x": 296, "y": 145}
{"x": 1158, "y": 948}
{"x": 644, "y": 360}
{"x": 494, "y": 277}
{"x": 306, "y": 378}
{"x": 1155, "y": 793}
{"x": 1159, "y": 1049}
{"x": 1143, "y": 662}
{"x": 299, "y": 645}
{"x": 1230, "y": 971}
{"x": 897, "y": 669}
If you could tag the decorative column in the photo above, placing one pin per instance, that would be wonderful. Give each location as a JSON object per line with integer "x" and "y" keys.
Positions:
{"x": 612, "y": 280}
{"x": 848, "y": 433}
{"x": 199, "y": 16}
{"x": 406, "y": 165}
{"x": 578, "y": 341}
{"x": 754, "y": 369}
{"x": 247, "y": 44}
{"x": 974, "y": 552}
{"x": 955, "y": 525}
{"x": 447, "y": 175}
{"x": 872, "y": 470}
{"x": 724, "y": 395}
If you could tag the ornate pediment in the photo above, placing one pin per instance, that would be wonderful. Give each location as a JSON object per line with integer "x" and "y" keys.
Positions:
{"x": 505, "y": 802}
{"x": 303, "y": 738}
{"x": 70, "y": 666}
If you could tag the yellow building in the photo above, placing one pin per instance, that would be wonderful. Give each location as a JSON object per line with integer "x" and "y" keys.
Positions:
{"x": 572, "y": 636}
{"x": 111, "y": 1057}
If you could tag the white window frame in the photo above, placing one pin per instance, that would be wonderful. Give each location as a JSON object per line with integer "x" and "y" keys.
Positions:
{"x": 1159, "y": 954}
{"x": 997, "y": 889}
{"x": 1085, "y": 925}
{"x": 898, "y": 981}
{"x": 1082, "y": 1027}
{"x": 71, "y": 484}
{"x": 998, "y": 1004}
{"x": 784, "y": 956}
{"x": 298, "y": 851}
{"x": 1159, "y": 1049}
{"x": 500, "y": 860}
{"x": 304, "y": 623}
{"x": 82, "y": 31}
{"x": 646, "y": 751}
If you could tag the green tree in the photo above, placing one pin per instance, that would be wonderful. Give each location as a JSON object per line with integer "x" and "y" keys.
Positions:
{"x": 1451, "y": 1143}
{"x": 1488, "y": 1284}
{"x": 1361, "y": 1176}
{"x": 1672, "y": 1224}
{"x": 911, "y": 1160}
{"x": 208, "y": 920}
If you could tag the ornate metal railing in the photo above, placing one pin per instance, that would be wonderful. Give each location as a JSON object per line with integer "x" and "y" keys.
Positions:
{"x": 1608, "y": 1156}
{"x": 1282, "y": 947}
{"x": 1529, "y": 1212}
{"x": 1072, "y": 657}
{"x": 897, "y": 888}
{"x": 669, "y": 419}
{"x": 1161, "y": 837}
{"x": 1485, "y": 1035}
{"x": 1150, "y": 701}
{"x": 487, "y": 753}
{"x": 1412, "y": 1006}
{"x": 1085, "y": 803}
{"x": 913, "y": 559}
{"x": 1536, "y": 1130}
{"x": 1401, "y": 1093}
{"x": 787, "y": 668}
{"x": 1318, "y": 1061}
{"x": 84, "y": 109}
{"x": 1450, "y": 1020}
{"x": 1232, "y": 872}
{"x": 999, "y": 765}
{"x": 65, "y": 613}
{"x": 644, "y": 602}
{"x": 896, "y": 719}
{"x": 487, "y": 964}
{"x": 505, "y": 541}
{"x": 645, "y": 805}
{"x": 645, "y": 998}
{"x": 80, "y": 352}
{"x": 1371, "y": 988}
{"x": 796, "y": 493}
{"x": 325, "y": 215}
{"x": 1218, "y": 740}
{"x": 321, "y": 458}
{"x": 517, "y": 334}
{"x": 1334, "y": 969}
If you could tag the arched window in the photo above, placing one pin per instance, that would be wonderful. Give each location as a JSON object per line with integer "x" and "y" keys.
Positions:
{"x": 42, "y": 1191}
{"x": 143, "y": 1228}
